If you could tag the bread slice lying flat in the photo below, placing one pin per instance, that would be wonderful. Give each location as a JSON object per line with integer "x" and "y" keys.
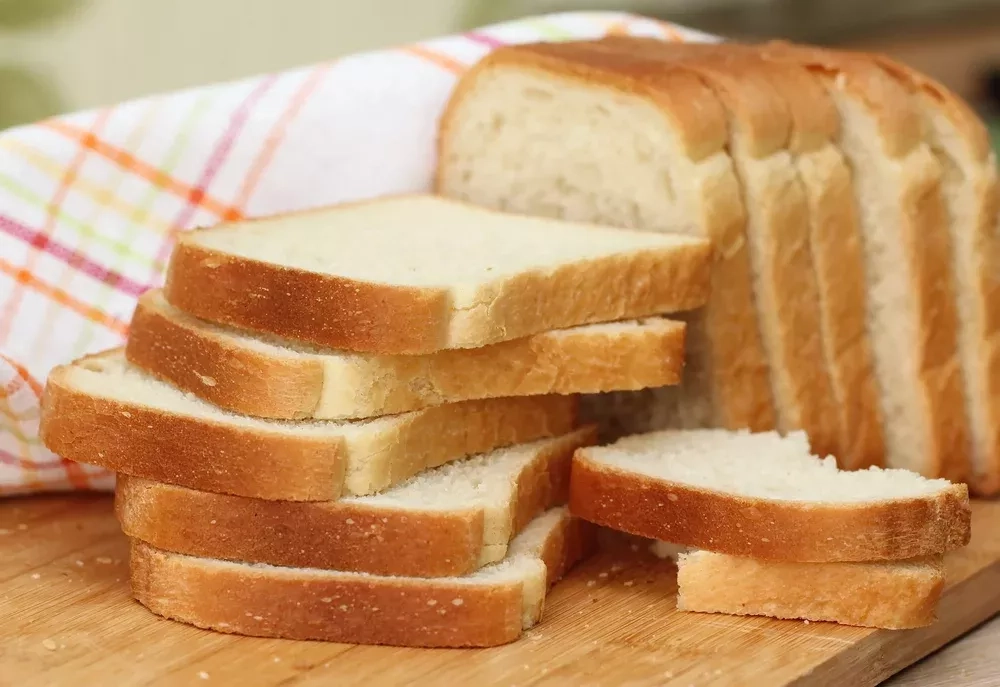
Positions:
{"x": 489, "y": 607}
{"x": 895, "y": 596}
{"x": 418, "y": 274}
{"x": 572, "y": 130}
{"x": 101, "y": 410}
{"x": 764, "y": 496}
{"x": 447, "y": 521}
{"x": 971, "y": 192}
{"x": 278, "y": 379}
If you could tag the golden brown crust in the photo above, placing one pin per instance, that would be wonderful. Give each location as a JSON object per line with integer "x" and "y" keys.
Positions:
{"x": 244, "y": 379}
{"x": 392, "y": 319}
{"x": 734, "y": 364}
{"x": 266, "y": 463}
{"x": 890, "y": 596}
{"x": 351, "y": 536}
{"x": 808, "y": 532}
{"x": 295, "y": 604}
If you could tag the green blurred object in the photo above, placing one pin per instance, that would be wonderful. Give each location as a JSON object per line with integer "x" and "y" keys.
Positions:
{"x": 25, "y": 95}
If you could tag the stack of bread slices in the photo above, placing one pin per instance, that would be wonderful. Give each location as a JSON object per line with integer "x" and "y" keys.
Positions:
{"x": 357, "y": 423}
{"x": 852, "y": 203}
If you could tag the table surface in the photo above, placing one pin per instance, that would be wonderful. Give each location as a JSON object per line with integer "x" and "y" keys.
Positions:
{"x": 65, "y": 611}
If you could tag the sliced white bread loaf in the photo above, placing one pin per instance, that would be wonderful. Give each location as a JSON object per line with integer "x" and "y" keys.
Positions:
{"x": 102, "y": 411}
{"x": 489, "y": 607}
{"x": 972, "y": 198}
{"x": 896, "y": 596}
{"x": 418, "y": 274}
{"x": 447, "y": 521}
{"x": 266, "y": 377}
{"x": 768, "y": 131}
{"x": 575, "y": 131}
{"x": 912, "y": 318}
{"x": 764, "y": 496}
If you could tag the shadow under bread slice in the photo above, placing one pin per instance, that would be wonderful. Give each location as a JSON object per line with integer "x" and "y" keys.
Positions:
{"x": 491, "y": 606}
{"x": 102, "y": 411}
{"x": 447, "y": 521}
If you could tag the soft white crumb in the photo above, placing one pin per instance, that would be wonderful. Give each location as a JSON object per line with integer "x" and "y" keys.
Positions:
{"x": 431, "y": 602}
{"x": 103, "y": 560}
{"x": 203, "y": 675}
{"x": 602, "y": 575}
{"x": 629, "y": 583}
{"x": 79, "y": 564}
{"x": 35, "y": 576}
{"x": 49, "y": 644}
{"x": 457, "y": 602}
{"x": 806, "y": 622}
{"x": 277, "y": 659}
{"x": 591, "y": 583}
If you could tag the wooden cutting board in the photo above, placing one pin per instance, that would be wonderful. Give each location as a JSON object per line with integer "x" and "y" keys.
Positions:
{"x": 66, "y": 618}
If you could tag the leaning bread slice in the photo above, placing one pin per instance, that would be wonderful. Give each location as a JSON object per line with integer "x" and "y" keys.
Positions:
{"x": 895, "y": 595}
{"x": 489, "y": 607}
{"x": 764, "y": 496}
{"x": 102, "y": 411}
{"x": 418, "y": 274}
{"x": 574, "y": 131}
{"x": 279, "y": 379}
{"x": 447, "y": 521}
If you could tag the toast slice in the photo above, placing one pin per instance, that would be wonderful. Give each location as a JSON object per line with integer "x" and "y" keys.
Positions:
{"x": 279, "y": 379}
{"x": 911, "y": 319}
{"x": 764, "y": 496}
{"x": 102, "y": 411}
{"x": 492, "y": 606}
{"x": 895, "y": 596}
{"x": 768, "y": 132}
{"x": 575, "y": 131}
{"x": 418, "y": 274}
{"x": 971, "y": 191}
{"x": 444, "y": 522}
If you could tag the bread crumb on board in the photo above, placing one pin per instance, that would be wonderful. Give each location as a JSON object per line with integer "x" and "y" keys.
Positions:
{"x": 50, "y": 644}
{"x": 202, "y": 674}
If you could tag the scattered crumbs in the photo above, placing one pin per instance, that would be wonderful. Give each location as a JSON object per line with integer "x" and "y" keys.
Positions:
{"x": 431, "y": 602}
{"x": 668, "y": 674}
{"x": 79, "y": 564}
{"x": 457, "y": 602}
{"x": 126, "y": 413}
{"x": 829, "y": 538}
{"x": 203, "y": 675}
{"x": 629, "y": 583}
{"x": 36, "y": 576}
{"x": 22, "y": 527}
{"x": 212, "y": 522}
{"x": 442, "y": 611}
{"x": 616, "y": 567}
{"x": 349, "y": 521}
{"x": 375, "y": 609}
{"x": 343, "y": 607}
{"x": 277, "y": 659}
{"x": 49, "y": 644}
{"x": 591, "y": 583}
{"x": 765, "y": 539}
{"x": 248, "y": 614}
{"x": 671, "y": 497}
{"x": 385, "y": 519}
{"x": 258, "y": 617}
{"x": 806, "y": 622}
{"x": 327, "y": 599}
{"x": 103, "y": 560}
{"x": 602, "y": 575}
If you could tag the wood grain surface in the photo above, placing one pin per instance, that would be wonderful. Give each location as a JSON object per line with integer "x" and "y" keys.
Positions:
{"x": 66, "y": 618}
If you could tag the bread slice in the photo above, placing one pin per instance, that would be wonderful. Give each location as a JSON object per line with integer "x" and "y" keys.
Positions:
{"x": 489, "y": 607}
{"x": 102, "y": 411}
{"x": 912, "y": 317}
{"x": 447, "y": 521}
{"x": 279, "y": 379}
{"x": 764, "y": 496}
{"x": 895, "y": 596}
{"x": 575, "y": 131}
{"x": 972, "y": 199}
{"x": 769, "y": 129}
{"x": 418, "y": 274}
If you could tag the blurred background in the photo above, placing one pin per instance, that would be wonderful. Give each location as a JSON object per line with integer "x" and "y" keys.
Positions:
{"x": 63, "y": 55}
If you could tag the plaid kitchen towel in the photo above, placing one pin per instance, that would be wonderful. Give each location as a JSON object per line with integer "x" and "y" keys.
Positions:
{"x": 89, "y": 202}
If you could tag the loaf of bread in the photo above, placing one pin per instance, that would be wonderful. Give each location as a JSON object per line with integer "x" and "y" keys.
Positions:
{"x": 279, "y": 379}
{"x": 491, "y": 606}
{"x": 102, "y": 411}
{"x": 447, "y": 521}
{"x": 419, "y": 274}
{"x": 764, "y": 496}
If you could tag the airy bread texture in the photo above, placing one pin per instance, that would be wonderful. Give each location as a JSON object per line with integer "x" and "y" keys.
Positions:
{"x": 447, "y": 521}
{"x": 895, "y": 596}
{"x": 961, "y": 143}
{"x": 419, "y": 274}
{"x": 764, "y": 496}
{"x": 279, "y": 379}
{"x": 489, "y": 607}
{"x": 102, "y": 411}
{"x": 912, "y": 320}
{"x": 580, "y": 132}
